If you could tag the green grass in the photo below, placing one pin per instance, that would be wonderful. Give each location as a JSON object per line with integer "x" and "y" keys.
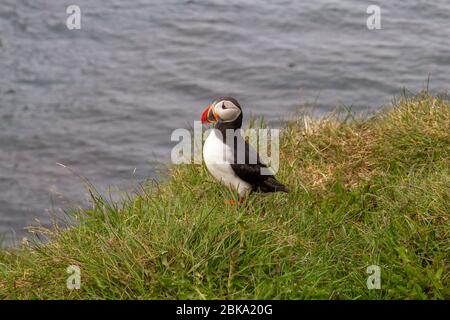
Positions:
{"x": 371, "y": 191}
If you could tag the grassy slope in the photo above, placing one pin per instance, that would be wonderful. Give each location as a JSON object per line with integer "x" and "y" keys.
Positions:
{"x": 363, "y": 192}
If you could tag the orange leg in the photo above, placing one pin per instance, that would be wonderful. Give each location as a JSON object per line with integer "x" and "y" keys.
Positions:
{"x": 234, "y": 202}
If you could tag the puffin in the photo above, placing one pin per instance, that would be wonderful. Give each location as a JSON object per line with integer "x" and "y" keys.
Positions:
{"x": 223, "y": 148}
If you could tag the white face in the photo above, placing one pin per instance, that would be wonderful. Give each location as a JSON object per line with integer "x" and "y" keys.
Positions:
{"x": 227, "y": 111}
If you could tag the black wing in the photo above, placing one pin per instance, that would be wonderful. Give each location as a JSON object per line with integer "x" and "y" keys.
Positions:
{"x": 251, "y": 172}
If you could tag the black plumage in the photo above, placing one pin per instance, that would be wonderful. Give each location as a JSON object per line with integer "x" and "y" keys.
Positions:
{"x": 247, "y": 171}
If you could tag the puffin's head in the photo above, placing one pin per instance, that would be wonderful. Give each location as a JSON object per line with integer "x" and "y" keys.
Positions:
{"x": 222, "y": 111}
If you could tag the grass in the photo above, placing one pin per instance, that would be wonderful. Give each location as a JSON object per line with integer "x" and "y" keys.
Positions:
{"x": 371, "y": 191}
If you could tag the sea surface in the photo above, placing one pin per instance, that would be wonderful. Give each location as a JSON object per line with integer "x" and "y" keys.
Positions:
{"x": 103, "y": 100}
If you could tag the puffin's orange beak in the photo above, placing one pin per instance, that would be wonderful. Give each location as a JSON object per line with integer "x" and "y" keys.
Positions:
{"x": 208, "y": 115}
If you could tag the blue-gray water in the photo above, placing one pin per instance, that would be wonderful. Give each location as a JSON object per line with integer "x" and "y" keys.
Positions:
{"x": 104, "y": 100}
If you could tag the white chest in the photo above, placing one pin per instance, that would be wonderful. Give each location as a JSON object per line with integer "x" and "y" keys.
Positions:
{"x": 218, "y": 158}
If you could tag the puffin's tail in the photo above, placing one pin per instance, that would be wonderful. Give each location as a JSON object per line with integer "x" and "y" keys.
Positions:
{"x": 273, "y": 185}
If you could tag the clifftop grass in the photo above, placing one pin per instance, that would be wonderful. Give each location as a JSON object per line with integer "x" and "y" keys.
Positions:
{"x": 364, "y": 192}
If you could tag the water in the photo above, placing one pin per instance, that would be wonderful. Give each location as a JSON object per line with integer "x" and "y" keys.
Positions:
{"x": 104, "y": 100}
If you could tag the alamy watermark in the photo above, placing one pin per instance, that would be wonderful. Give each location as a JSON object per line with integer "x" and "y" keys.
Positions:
{"x": 373, "y": 22}
{"x": 73, "y": 21}
{"x": 74, "y": 280}
{"x": 265, "y": 142}
{"x": 374, "y": 278}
